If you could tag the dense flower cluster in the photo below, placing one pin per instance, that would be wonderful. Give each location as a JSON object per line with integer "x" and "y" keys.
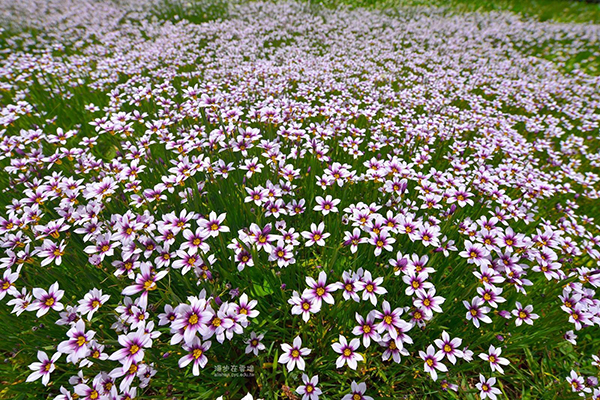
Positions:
{"x": 348, "y": 204}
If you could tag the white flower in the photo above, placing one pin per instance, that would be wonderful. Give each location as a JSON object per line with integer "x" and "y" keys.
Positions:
{"x": 347, "y": 352}
{"x": 292, "y": 355}
{"x": 43, "y": 368}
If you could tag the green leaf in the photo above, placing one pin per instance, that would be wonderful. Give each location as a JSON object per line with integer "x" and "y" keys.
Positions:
{"x": 263, "y": 290}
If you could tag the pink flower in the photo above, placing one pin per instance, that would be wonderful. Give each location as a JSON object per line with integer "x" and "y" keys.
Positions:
{"x": 476, "y": 312}
{"x": 432, "y": 361}
{"x": 7, "y": 283}
{"x": 391, "y": 321}
{"x": 50, "y": 251}
{"x": 366, "y": 328}
{"x": 303, "y": 305}
{"x": 292, "y": 355}
{"x": 524, "y": 314}
{"x": 319, "y": 290}
{"x": 357, "y": 392}
{"x": 145, "y": 282}
{"x": 192, "y": 317}
{"x": 316, "y": 235}
{"x": 77, "y": 346}
{"x": 91, "y": 302}
{"x": 133, "y": 348}
{"x": 326, "y": 205}
{"x": 577, "y": 383}
{"x": 347, "y": 351}
{"x": 493, "y": 356}
{"x": 44, "y": 368}
{"x": 196, "y": 354}
{"x": 370, "y": 287}
{"x": 475, "y": 253}
{"x": 214, "y": 224}
{"x": 47, "y": 300}
{"x": 309, "y": 389}
{"x": 486, "y": 388}
{"x": 253, "y": 343}
{"x": 449, "y": 348}
{"x": 353, "y": 239}
{"x": 381, "y": 241}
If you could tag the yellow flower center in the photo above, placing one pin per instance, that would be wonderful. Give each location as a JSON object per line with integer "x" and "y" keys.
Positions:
{"x": 133, "y": 369}
{"x": 150, "y": 285}
{"x": 193, "y": 319}
{"x": 81, "y": 340}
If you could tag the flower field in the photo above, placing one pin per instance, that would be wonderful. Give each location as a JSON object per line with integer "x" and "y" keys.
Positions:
{"x": 279, "y": 200}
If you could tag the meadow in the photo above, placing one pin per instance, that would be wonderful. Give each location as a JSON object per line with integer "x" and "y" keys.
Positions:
{"x": 299, "y": 200}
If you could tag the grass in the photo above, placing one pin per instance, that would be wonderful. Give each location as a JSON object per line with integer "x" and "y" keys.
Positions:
{"x": 540, "y": 358}
{"x": 542, "y": 10}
